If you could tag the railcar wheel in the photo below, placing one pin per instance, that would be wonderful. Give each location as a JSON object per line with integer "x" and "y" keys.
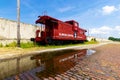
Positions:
{"x": 81, "y": 41}
{"x": 57, "y": 42}
{"x": 32, "y": 39}
{"x": 49, "y": 41}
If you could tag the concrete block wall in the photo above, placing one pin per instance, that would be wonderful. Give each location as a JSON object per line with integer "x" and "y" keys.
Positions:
{"x": 8, "y": 29}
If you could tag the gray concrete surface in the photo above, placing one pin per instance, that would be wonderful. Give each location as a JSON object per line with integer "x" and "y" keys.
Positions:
{"x": 8, "y": 31}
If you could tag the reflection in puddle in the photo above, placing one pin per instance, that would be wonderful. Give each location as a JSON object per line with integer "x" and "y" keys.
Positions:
{"x": 52, "y": 64}
{"x": 90, "y": 52}
{"x": 59, "y": 62}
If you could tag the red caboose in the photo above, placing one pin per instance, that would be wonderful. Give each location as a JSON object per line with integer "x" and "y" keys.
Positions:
{"x": 58, "y": 32}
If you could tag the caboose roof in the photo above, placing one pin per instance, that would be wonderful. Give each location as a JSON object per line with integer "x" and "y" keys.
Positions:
{"x": 71, "y": 21}
{"x": 83, "y": 29}
{"x": 42, "y": 19}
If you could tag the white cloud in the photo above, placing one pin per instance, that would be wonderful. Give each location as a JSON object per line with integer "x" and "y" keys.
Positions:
{"x": 101, "y": 30}
{"x": 64, "y": 9}
{"x": 106, "y": 28}
{"x": 105, "y": 31}
{"x": 117, "y": 28}
{"x": 96, "y": 31}
{"x": 108, "y": 9}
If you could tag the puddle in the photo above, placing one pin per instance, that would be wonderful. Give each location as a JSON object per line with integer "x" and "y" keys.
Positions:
{"x": 59, "y": 62}
{"x": 90, "y": 52}
{"x": 55, "y": 63}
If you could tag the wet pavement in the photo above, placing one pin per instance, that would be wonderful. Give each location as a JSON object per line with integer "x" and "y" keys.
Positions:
{"x": 63, "y": 65}
{"x": 60, "y": 63}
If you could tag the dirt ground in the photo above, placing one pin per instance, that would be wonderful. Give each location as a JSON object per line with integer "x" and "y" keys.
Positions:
{"x": 104, "y": 64}
{"x": 17, "y": 51}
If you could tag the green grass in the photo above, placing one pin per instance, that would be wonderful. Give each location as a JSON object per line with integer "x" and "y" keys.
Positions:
{"x": 27, "y": 45}
{"x": 22, "y": 44}
{"x": 1, "y": 45}
{"x": 68, "y": 45}
{"x": 12, "y": 44}
{"x": 31, "y": 45}
{"x": 91, "y": 42}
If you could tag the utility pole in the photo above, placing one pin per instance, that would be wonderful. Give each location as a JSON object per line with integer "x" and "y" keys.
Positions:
{"x": 88, "y": 33}
{"x": 18, "y": 23}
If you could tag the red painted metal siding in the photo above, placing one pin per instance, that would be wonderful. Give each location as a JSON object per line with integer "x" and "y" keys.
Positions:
{"x": 59, "y": 30}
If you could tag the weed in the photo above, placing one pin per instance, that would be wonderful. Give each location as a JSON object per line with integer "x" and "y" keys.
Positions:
{"x": 91, "y": 42}
{"x": 27, "y": 45}
{"x": 12, "y": 44}
{"x": 32, "y": 45}
{"x": 1, "y": 45}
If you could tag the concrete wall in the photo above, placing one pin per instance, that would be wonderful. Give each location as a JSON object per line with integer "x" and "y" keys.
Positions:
{"x": 8, "y": 29}
{"x": 89, "y": 38}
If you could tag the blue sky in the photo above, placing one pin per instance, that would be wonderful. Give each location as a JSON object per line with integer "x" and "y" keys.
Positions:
{"x": 100, "y": 17}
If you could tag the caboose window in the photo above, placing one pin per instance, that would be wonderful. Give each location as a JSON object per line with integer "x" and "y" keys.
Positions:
{"x": 76, "y": 24}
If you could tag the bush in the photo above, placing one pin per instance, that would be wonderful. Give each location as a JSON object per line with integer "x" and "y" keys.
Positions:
{"x": 93, "y": 39}
{"x": 114, "y": 39}
{"x": 1, "y": 45}
{"x": 27, "y": 45}
{"x": 91, "y": 42}
{"x": 13, "y": 44}
{"x": 22, "y": 44}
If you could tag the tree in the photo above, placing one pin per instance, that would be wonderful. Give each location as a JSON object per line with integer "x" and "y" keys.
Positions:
{"x": 114, "y": 39}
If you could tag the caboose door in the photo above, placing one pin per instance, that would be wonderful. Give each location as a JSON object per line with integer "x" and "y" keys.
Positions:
{"x": 49, "y": 31}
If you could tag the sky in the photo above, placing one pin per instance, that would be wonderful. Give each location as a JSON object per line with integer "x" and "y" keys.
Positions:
{"x": 101, "y": 18}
